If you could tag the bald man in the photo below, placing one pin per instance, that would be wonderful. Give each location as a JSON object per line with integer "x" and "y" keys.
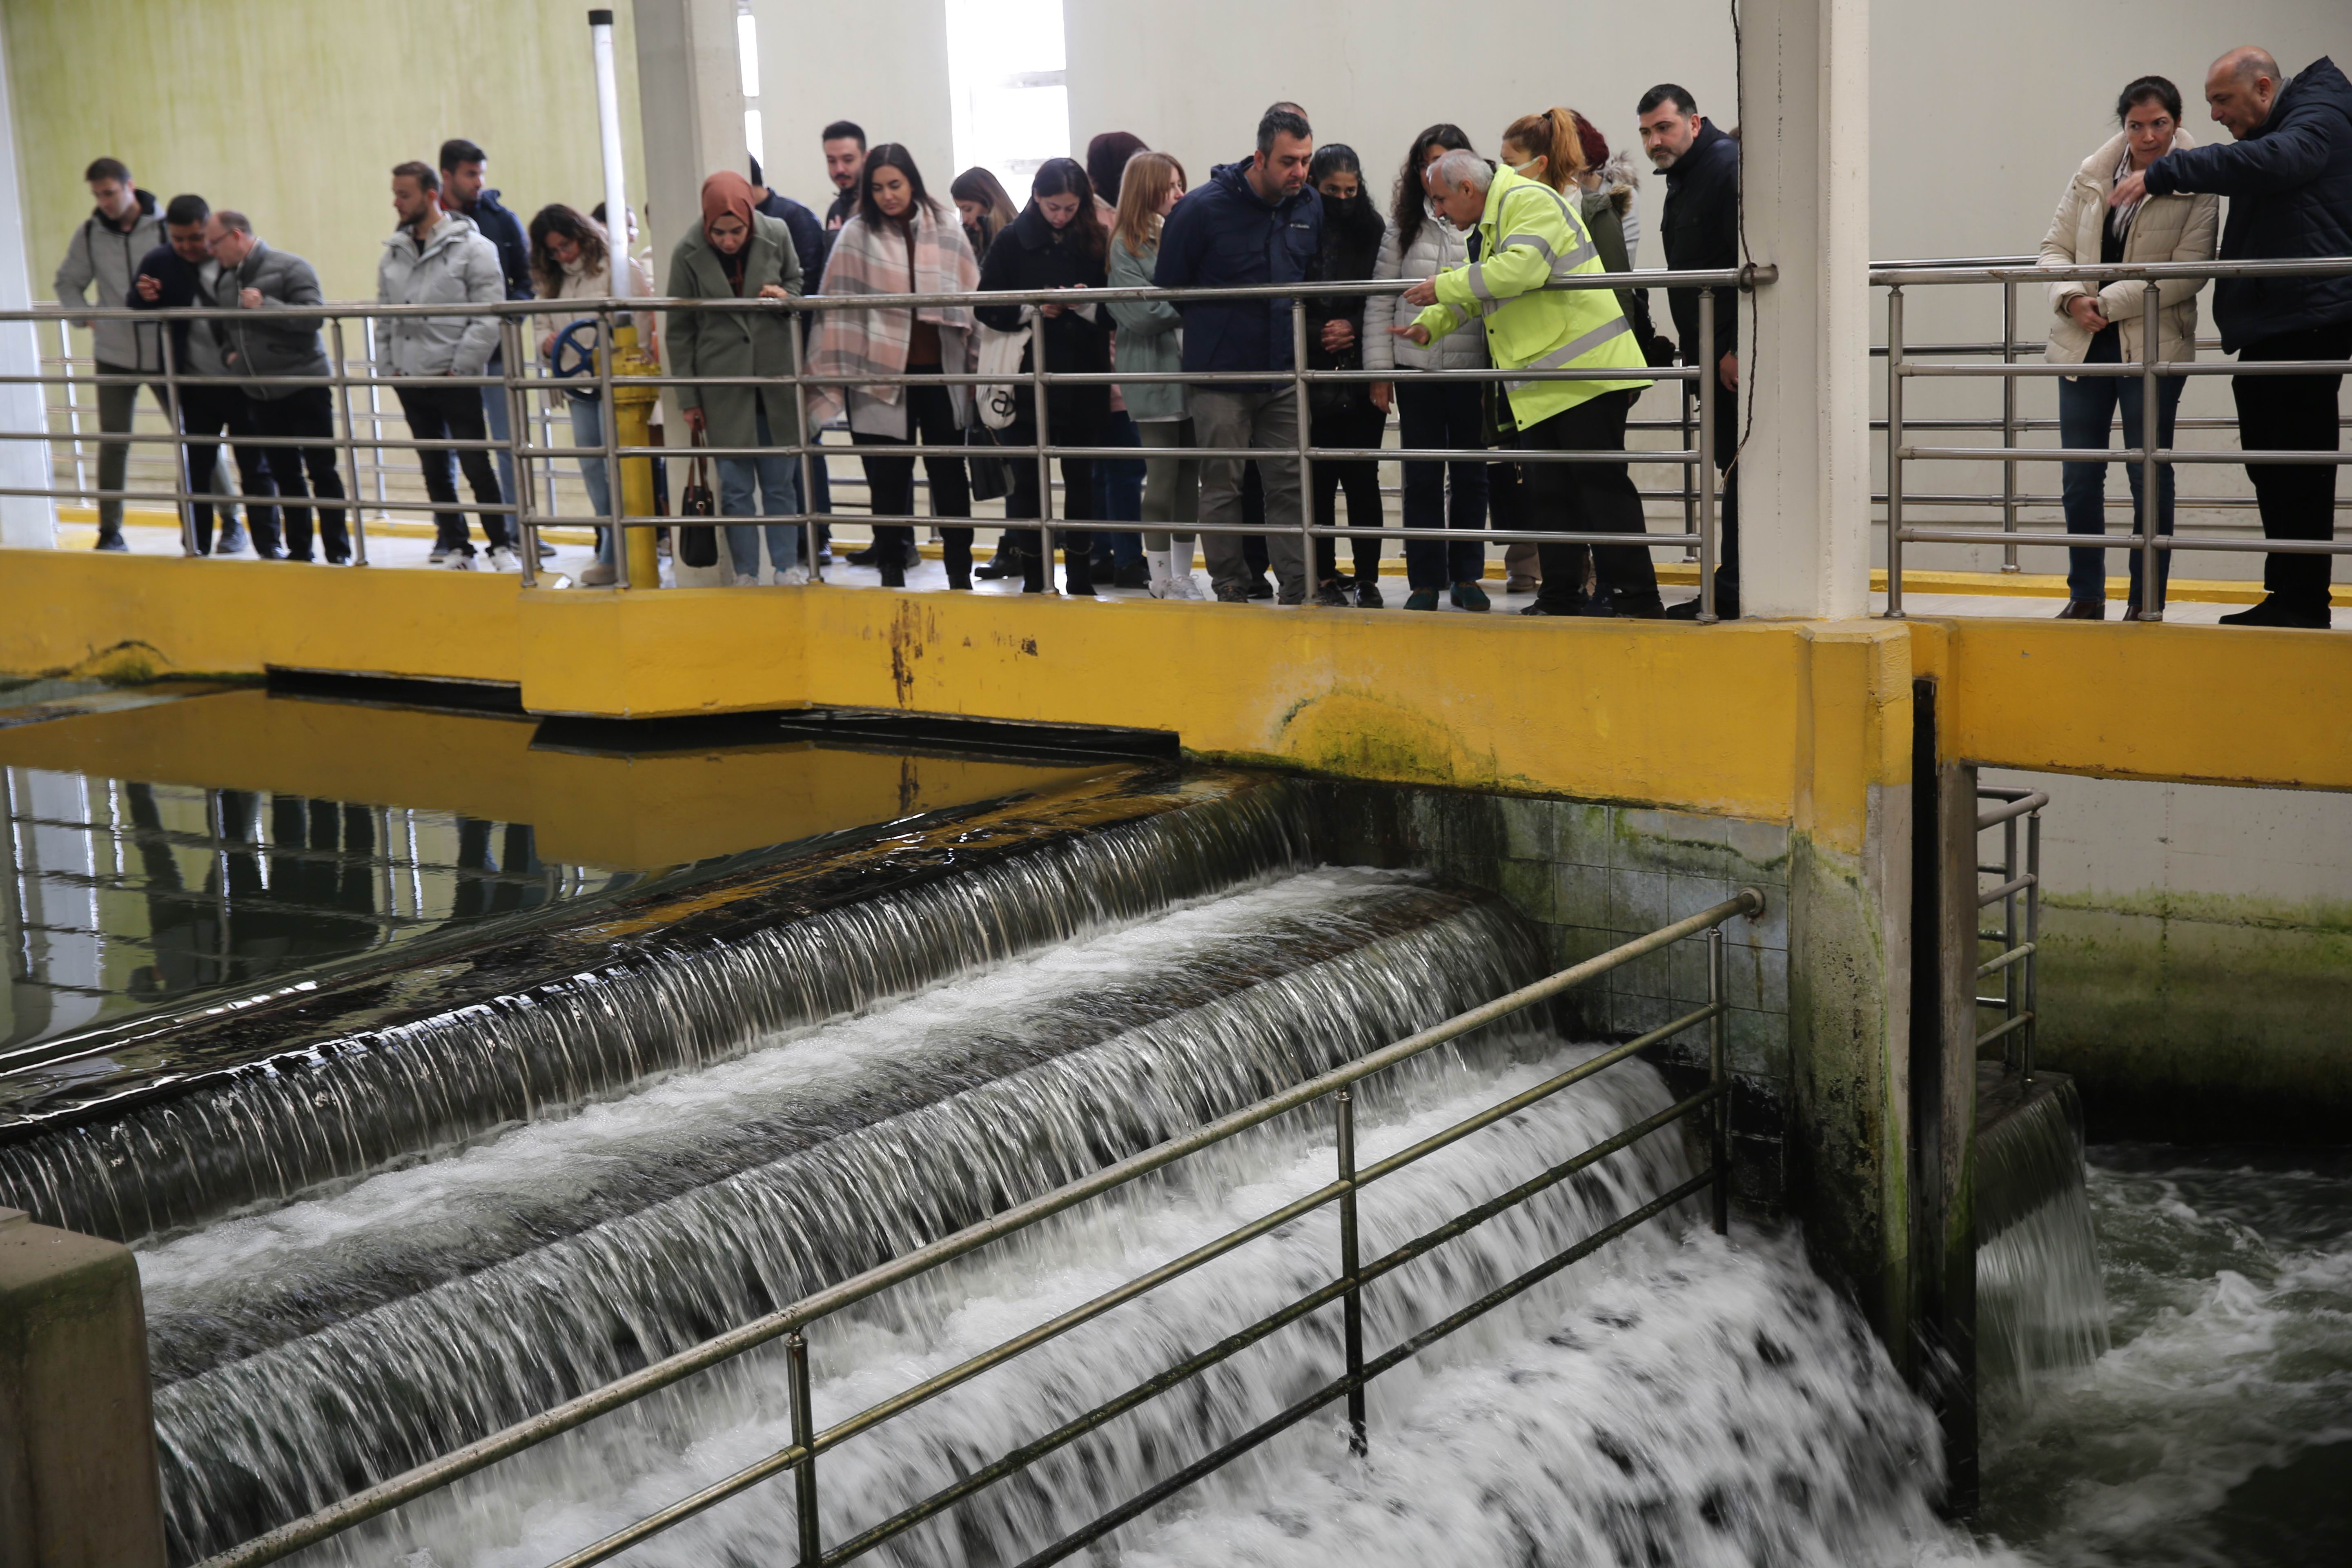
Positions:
{"x": 2288, "y": 175}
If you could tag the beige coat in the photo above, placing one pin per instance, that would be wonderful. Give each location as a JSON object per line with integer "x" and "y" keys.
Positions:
{"x": 2167, "y": 228}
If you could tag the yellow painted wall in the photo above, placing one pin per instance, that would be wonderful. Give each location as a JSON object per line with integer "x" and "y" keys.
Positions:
{"x": 1788, "y": 721}
{"x": 295, "y": 111}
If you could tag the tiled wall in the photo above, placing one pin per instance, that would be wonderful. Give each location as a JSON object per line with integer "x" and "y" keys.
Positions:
{"x": 1594, "y": 876}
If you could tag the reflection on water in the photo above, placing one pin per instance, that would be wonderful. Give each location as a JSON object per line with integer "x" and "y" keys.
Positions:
{"x": 121, "y": 894}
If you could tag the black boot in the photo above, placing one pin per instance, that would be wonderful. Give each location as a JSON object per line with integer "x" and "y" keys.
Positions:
{"x": 2277, "y": 610}
{"x": 893, "y": 575}
{"x": 1080, "y": 571}
{"x": 956, "y": 555}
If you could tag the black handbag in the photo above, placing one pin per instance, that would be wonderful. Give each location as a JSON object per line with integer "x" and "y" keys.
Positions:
{"x": 991, "y": 476}
{"x": 698, "y": 545}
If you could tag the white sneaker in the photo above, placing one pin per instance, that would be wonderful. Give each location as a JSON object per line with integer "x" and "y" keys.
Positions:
{"x": 1182, "y": 584}
{"x": 503, "y": 559}
{"x": 793, "y": 577}
{"x": 458, "y": 561}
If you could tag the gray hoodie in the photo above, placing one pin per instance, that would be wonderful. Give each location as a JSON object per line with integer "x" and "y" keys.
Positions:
{"x": 102, "y": 254}
{"x": 459, "y": 264}
{"x": 274, "y": 340}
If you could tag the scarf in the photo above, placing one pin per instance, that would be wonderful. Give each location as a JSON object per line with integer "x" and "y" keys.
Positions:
{"x": 873, "y": 258}
{"x": 727, "y": 194}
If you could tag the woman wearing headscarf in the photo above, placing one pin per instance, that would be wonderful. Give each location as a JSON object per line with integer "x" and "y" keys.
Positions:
{"x": 735, "y": 253}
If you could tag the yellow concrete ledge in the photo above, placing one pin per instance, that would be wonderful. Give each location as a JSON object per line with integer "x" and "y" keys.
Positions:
{"x": 1789, "y": 722}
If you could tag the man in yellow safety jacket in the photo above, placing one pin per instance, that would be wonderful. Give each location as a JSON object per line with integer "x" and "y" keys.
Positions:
{"x": 1528, "y": 234}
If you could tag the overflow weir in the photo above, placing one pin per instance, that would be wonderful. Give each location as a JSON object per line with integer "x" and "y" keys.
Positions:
{"x": 729, "y": 1134}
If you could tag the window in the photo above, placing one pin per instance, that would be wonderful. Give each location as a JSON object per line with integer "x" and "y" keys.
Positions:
{"x": 747, "y": 51}
{"x": 1006, "y": 74}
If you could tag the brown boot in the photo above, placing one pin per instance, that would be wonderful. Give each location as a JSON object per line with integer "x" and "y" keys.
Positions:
{"x": 2084, "y": 610}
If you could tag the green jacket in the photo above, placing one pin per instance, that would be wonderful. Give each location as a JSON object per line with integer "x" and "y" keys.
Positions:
{"x": 1528, "y": 235}
{"x": 735, "y": 343}
{"x": 1151, "y": 337}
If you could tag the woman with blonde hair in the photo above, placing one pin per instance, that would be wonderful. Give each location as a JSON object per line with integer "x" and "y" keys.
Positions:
{"x": 1152, "y": 341}
{"x": 986, "y": 210}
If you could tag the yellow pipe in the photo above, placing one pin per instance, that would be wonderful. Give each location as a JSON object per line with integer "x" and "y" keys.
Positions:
{"x": 632, "y": 427}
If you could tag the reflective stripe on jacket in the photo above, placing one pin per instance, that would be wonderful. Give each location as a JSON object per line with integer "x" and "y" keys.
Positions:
{"x": 1529, "y": 234}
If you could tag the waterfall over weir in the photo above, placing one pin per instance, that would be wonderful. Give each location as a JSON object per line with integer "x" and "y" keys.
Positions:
{"x": 2041, "y": 1309}
{"x": 501, "y": 1179}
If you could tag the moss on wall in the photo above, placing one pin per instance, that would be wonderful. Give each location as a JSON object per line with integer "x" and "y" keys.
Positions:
{"x": 295, "y": 111}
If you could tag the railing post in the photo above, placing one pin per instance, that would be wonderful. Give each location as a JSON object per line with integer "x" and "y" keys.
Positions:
{"x": 1895, "y": 452}
{"x": 1690, "y": 480}
{"x": 2009, "y": 424}
{"x": 2011, "y": 982}
{"x": 1299, "y": 403}
{"x": 804, "y": 1437}
{"x": 615, "y": 507}
{"x": 73, "y": 406}
{"x": 375, "y": 421}
{"x": 351, "y": 441}
{"x": 1044, "y": 463}
{"x": 510, "y": 336}
{"x": 186, "y": 508}
{"x": 2151, "y": 607}
{"x": 1708, "y": 545}
{"x": 1720, "y": 1113}
{"x": 795, "y": 317}
{"x": 2032, "y": 961}
{"x": 1351, "y": 1305}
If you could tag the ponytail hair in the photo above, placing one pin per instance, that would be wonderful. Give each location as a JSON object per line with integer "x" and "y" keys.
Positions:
{"x": 1553, "y": 136}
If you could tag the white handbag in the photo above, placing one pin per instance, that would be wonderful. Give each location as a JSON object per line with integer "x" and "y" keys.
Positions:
{"x": 1000, "y": 355}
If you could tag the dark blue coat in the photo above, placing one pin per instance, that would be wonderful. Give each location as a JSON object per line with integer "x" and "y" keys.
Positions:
{"x": 1225, "y": 235}
{"x": 503, "y": 229}
{"x": 808, "y": 235}
{"x": 2289, "y": 190}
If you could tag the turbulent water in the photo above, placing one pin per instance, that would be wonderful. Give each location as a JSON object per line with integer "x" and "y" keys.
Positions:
{"x": 2217, "y": 1428}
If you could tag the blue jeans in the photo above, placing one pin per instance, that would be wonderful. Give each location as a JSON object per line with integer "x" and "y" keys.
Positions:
{"x": 2087, "y": 413}
{"x": 1118, "y": 495}
{"x": 776, "y": 478}
{"x": 494, "y": 413}
{"x": 1445, "y": 415}
{"x": 588, "y": 430}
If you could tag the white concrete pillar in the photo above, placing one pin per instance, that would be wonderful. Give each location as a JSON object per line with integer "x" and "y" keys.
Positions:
{"x": 690, "y": 93}
{"x": 26, "y": 522}
{"x": 1804, "y": 487}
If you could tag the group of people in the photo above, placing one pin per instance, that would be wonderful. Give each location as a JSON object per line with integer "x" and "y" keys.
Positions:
{"x": 1478, "y": 240}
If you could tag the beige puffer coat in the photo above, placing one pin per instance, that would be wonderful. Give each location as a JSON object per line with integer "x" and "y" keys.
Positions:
{"x": 2166, "y": 228}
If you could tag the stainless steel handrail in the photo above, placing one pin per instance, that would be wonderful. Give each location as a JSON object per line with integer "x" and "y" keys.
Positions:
{"x": 2148, "y": 540}
{"x": 2019, "y": 963}
{"x": 518, "y": 381}
{"x": 788, "y": 1323}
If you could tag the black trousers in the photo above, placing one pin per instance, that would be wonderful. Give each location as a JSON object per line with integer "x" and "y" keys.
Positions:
{"x": 455, "y": 414}
{"x": 930, "y": 422}
{"x": 1359, "y": 426}
{"x": 305, "y": 412}
{"x": 1727, "y": 499}
{"x": 1073, "y": 426}
{"x": 2293, "y": 414}
{"x": 1585, "y": 498}
{"x": 224, "y": 410}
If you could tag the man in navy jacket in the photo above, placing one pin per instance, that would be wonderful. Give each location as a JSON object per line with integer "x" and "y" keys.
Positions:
{"x": 2288, "y": 176}
{"x": 1253, "y": 223}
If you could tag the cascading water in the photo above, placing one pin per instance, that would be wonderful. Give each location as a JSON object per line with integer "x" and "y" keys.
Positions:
{"x": 342, "y": 1107}
{"x": 2042, "y": 1310}
{"x": 360, "y": 1255}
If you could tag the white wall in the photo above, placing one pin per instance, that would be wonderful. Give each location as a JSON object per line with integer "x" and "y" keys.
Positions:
{"x": 1193, "y": 79}
{"x": 882, "y": 63}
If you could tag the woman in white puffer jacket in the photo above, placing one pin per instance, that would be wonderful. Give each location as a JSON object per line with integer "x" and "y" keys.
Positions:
{"x": 1421, "y": 242}
{"x": 2101, "y": 324}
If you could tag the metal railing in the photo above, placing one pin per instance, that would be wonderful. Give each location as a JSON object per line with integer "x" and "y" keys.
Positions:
{"x": 2148, "y": 451}
{"x": 531, "y": 456}
{"x": 792, "y": 1323}
{"x": 2017, "y": 963}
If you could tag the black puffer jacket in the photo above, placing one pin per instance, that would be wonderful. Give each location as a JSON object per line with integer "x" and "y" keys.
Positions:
{"x": 1032, "y": 254}
{"x": 1701, "y": 230}
{"x": 1351, "y": 250}
{"x": 2289, "y": 190}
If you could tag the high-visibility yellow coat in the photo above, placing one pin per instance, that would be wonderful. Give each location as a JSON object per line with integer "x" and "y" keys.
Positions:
{"x": 1529, "y": 234}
